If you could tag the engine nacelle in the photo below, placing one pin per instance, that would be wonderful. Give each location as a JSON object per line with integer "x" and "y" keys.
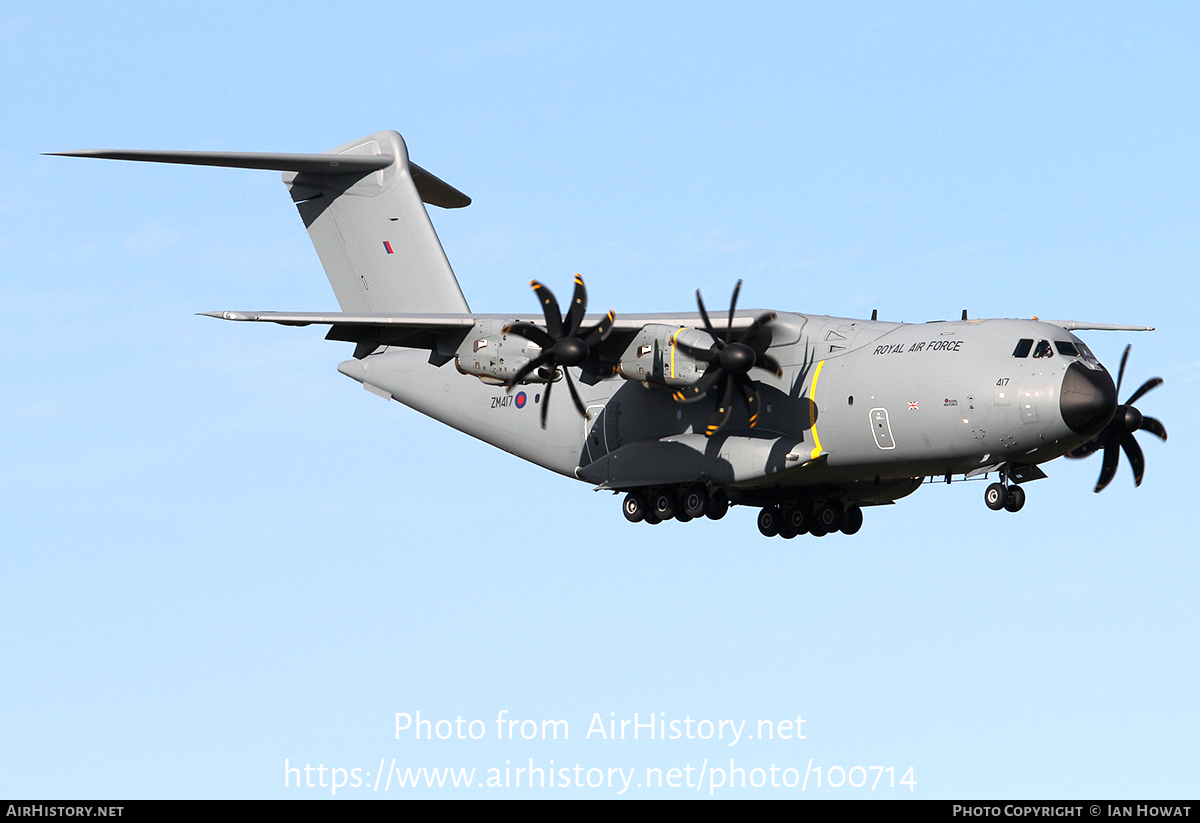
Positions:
{"x": 654, "y": 358}
{"x": 495, "y": 357}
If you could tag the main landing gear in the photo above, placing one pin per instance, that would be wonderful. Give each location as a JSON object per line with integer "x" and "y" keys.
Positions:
{"x": 687, "y": 504}
{"x": 999, "y": 496}
{"x": 793, "y": 519}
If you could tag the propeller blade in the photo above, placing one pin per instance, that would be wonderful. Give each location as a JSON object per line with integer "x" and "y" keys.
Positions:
{"x": 1121, "y": 371}
{"x": 1152, "y": 383}
{"x": 549, "y": 309}
{"x": 1136, "y": 461}
{"x": 733, "y": 305}
{"x": 535, "y": 334}
{"x": 708, "y": 326}
{"x": 574, "y": 394}
{"x": 703, "y": 355}
{"x": 724, "y": 409}
{"x": 599, "y": 370}
{"x": 758, "y": 323}
{"x": 1087, "y": 449}
{"x": 692, "y": 393}
{"x": 1156, "y": 428}
{"x": 750, "y": 394}
{"x": 600, "y": 331}
{"x": 528, "y": 369}
{"x": 766, "y": 361}
{"x": 1112, "y": 453}
{"x": 578, "y": 307}
{"x": 546, "y": 403}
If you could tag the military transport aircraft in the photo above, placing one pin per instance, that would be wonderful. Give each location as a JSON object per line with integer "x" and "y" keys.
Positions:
{"x": 808, "y": 417}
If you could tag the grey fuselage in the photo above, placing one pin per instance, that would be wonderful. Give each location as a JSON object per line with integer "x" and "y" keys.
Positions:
{"x": 864, "y": 410}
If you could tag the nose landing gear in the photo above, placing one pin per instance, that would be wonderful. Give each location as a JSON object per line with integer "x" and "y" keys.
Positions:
{"x": 998, "y": 496}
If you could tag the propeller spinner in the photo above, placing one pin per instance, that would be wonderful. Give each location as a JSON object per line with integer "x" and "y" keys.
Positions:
{"x": 1118, "y": 434}
{"x": 563, "y": 344}
{"x": 729, "y": 362}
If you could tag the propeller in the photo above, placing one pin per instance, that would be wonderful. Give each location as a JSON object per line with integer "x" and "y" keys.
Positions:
{"x": 729, "y": 361}
{"x": 1118, "y": 434}
{"x": 563, "y": 343}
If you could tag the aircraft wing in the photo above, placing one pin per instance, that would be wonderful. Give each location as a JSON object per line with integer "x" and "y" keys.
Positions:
{"x": 430, "y": 331}
{"x": 447, "y": 322}
{"x": 1079, "y": 325}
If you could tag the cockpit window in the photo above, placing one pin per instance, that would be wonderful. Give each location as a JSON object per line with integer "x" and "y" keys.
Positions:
{"x": 1066, "y": 348}
{"x": 1043, "y": 349}
{"x": 1085, "y": 351}
{"x": 1023, "y": 347}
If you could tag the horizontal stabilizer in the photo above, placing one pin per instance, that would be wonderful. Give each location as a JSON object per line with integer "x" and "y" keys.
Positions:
{"x": 432, "y": 189}
{"x": 274, "y": 161}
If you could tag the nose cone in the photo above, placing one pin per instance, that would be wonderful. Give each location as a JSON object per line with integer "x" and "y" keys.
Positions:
{"x": 1088, "y": 399}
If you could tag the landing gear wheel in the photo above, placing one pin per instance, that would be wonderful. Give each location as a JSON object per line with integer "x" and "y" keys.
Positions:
{"x": 799, "y": 518}
{"x": 1016, "y": 499}
{"x": 831, "y": 516}
{"x": 682, "y": 516}
{"x": 693, "y": 502}
{"x": 652, "y": 518}
{"x": 717, "y": 506}
{"x": 769, "y": 521}
{"x": 816, "y": 531}
{"x": 635, "y": 507}
{"x": 854, "y": 520}
{"x": 995, "y": 496}
{"x": 786, "y": 531}
{"x": 663, "y": 504}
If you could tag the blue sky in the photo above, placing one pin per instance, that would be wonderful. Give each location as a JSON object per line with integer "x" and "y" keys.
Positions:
{"x": 220, "y": 554}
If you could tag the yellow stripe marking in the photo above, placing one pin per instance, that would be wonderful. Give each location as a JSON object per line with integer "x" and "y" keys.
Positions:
{"x": 812, "y": 396}
{"x": 674, "y": 345}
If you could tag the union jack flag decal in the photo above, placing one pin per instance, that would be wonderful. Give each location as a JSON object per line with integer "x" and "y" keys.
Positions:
{"x": 912, "y": 406}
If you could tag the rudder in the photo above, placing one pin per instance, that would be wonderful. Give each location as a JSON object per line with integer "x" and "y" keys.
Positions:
{"x": 373, "y": 234}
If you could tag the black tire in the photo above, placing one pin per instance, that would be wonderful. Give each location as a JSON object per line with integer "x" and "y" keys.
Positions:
{"x": 717, "y": 506}
{"x": 635, "y": 507}
{"x": 693, "y": 502}
{"x": 995, "y": 496}
{"x": 787, "y": 532}
{"x": 831, "y": 516}
{"x": 652, "y": 518}
{"x": 816, "y": 531}
{"x": 769, "y": 521}
{"x": 854, "y": 520}
{"x": 799, "y": 518}
{"x": 682, "y": 516}
{"x": 663, "y": 504}
{"x": 1016, "y": 499}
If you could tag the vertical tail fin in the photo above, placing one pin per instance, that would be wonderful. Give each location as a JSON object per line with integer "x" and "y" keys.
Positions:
{"x": 373, "y": 235}
{"x": 363, "y": 205}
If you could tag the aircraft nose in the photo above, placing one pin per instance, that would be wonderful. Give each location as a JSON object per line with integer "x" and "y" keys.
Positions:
{"x": 1088, "y": 399}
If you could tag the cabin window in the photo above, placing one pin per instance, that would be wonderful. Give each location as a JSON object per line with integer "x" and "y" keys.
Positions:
{"x": 1043, "y": 349}
{"x": 1066, "y": 348}
{"x": 1023, "y": 347}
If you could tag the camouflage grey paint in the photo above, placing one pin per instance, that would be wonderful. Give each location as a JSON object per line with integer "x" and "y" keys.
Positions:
{"x": 863, "y": 409}
{"x": 954, "y": 396}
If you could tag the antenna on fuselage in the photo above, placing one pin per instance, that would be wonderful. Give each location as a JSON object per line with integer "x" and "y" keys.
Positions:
{"x": 874, "y": 314}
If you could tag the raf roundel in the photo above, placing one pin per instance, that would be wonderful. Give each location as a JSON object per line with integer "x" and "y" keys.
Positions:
{"x": 521, "y": 399}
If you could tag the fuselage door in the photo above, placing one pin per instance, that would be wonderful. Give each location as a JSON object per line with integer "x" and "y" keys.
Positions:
{"x": 882, "y": 429}
{"x": 595, "y": 431}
